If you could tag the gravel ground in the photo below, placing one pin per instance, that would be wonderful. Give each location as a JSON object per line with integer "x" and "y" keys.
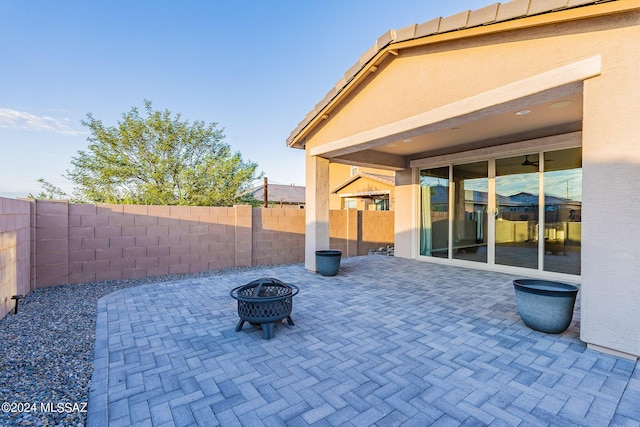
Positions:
{"x": 46, "y": 351}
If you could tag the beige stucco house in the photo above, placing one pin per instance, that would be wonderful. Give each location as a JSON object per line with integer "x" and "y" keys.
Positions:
{"x": 513, "y": 132}
{"x": 364, "y": 189}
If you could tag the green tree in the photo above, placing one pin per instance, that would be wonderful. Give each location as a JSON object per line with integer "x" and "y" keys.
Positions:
{"x": 49, "y": 191}
{"x": 159, "y": 160}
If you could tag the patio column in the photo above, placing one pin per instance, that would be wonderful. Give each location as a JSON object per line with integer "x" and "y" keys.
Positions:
{"x": 610, "y": 292}
{"x": 317, "y": 208}
{"x": 405, "y": 194}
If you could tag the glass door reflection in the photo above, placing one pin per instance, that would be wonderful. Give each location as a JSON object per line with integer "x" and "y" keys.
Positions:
{"x": 434, "y": 212}
{"x": 517, "y": 211}
{"x": 563, "y": 210}
{"x": 470, "y": 192}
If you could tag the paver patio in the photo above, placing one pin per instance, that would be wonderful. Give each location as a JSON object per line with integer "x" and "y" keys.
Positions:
{"x": 387, "y": 341}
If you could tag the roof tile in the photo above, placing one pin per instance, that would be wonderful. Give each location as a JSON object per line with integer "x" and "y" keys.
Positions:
{"x": 385, "y": 39}
{"x": 331, "y": 94}
{"x": 351, "y": 72}
{"x": 406, "y": 33}
{"x": 311, "y": 114}
{"x": 513, "y": 9}
{"x": 486, "y": 15}
{"x": 454, "y": 22}
{"x": 368, "y": 55}
{"x": 319, "y": 106}
{"x": 541, "y": 6}
{"x": 340, "y": 84}
{"x": 428, "y": 28}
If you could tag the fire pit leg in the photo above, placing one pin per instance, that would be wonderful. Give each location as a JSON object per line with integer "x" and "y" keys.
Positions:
{"x": 267, "y": 330}
{"x": 289, "y": 321}
{"x": 240, "y": 325}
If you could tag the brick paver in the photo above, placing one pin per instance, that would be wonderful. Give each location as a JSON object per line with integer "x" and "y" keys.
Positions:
{"x": 387, "y": 341}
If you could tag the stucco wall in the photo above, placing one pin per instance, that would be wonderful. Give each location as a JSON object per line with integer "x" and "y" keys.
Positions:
{"x": 425, "y": 78}
{"x": 15, "y": 243}
{"x": 611, "y": 173}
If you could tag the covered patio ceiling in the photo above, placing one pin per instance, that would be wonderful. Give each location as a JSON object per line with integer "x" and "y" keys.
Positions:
{"x": 550, "y": 112}
{"x": 523, "y": 120}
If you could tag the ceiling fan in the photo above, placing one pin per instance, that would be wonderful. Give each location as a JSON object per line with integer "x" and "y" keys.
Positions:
{"x": 528, "y": 162}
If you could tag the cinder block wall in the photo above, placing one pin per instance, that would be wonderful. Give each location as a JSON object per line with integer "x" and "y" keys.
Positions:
{"x": 377, "y": 230}
{"x": 278, "y": 236}
{"x": 51, "y": 249}
{"x": 46, "y": 243}
{"x": 338, "y": 230}
{"x": 356, "y": 232}
{"x": 15, "y": 243}
{"x": 80, "y": 243}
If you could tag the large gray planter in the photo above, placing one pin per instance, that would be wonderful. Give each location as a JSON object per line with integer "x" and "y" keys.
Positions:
{"x": 328, "y": 262}
{"x": 544, "y": 305}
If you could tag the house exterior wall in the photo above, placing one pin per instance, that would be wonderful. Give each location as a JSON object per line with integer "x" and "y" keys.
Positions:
{"x": 15, "y": 244}
{"x": 611, "y": 173}
{"x": 339, "y": 173}
{"x": 365, "y": 185}
{"x": 433, "y": 75}
{"x": 425, "y": 78}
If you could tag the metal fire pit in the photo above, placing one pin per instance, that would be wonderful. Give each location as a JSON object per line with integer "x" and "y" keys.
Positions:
{"x": 263, "y": 303}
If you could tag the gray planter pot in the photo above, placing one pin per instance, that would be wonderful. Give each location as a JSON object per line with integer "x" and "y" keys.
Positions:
{"x": 328, "y": 262}
{"x": 544, "y": 305}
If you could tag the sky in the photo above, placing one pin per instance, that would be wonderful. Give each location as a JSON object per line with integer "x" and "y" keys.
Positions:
{"x": 256, "y": 68}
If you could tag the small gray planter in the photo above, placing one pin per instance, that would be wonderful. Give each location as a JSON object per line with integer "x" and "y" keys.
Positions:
{"x": 544, "y": 305}
{"x": 328, "y": 262}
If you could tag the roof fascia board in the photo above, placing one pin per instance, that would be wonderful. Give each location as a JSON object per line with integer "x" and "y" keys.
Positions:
{"x": 361, "y": 175}
{"x": 365, "y": 194}
{"x": 462, "y": 111}
{"x": 343, "y": 88}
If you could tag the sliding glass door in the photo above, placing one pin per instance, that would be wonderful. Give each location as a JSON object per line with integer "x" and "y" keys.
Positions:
{"x": 563, "y": 210}
{"x": 517, "y": 206}
{"x": 519, "y": 211}
{"x": 434, "y": 218}
{"x": 470, "y": 197}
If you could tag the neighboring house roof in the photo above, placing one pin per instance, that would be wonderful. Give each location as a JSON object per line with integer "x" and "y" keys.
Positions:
{"x": 280, "y": 193}
{"x": 489, "y": 15}
{"x": 382, "y": 179}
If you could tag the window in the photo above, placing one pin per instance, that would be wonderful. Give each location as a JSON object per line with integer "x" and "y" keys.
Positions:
{"x": 382, "y": 204}
{"x": 350, "y": 203}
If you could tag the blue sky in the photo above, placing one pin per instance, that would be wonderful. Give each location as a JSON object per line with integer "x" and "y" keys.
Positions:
{"x": 254, "y": 67}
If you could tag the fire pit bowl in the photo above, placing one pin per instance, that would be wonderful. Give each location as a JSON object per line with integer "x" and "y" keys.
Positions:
{"x": 263, "y": 303}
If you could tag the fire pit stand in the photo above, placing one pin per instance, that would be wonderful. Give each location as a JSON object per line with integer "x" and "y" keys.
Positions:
{"x": 263, "y": 303}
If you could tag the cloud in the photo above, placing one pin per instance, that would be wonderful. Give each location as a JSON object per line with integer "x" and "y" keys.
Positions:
{"x": 15, "y": 119}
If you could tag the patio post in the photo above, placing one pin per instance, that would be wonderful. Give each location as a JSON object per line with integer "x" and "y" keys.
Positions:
{"x": 317, "y": 208}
